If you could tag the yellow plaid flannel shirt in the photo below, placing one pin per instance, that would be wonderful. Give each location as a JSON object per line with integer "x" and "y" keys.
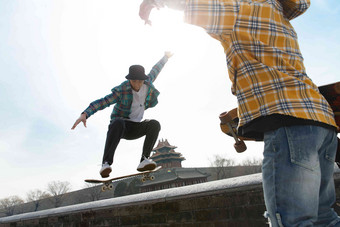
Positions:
{"x": 263, "y": 56}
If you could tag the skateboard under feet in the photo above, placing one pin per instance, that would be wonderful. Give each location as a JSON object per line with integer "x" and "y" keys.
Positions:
{"x": 108, "y": 183}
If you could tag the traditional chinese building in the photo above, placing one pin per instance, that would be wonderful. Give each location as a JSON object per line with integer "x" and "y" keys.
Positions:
{"x": 165, "y": 155}
{"x": 172, "y": 174}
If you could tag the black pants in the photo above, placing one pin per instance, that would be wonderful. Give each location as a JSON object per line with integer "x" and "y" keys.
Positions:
{"x": 129, "y": 130}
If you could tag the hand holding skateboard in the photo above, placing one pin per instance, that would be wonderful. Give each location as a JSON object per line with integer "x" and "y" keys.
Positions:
{"x": 229, "y": 121}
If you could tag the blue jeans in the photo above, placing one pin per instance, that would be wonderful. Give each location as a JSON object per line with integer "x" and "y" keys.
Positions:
{"x": 297, "y": 171}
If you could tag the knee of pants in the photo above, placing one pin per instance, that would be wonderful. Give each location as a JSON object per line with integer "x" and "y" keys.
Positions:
{"x": 155, "y": 125}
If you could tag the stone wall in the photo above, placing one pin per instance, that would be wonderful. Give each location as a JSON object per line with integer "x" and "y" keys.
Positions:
{"x": 93, "y": 193}
{"x": 234, "y": 202}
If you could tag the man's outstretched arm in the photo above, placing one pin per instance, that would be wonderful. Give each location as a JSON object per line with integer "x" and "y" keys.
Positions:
{"x": 156, "y": 69}
{"x": 215, "y": 17}
{"x": 95, "y": 106}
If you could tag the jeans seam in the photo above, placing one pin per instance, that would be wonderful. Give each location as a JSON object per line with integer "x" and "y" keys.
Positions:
{"x": 278, "y": 218}
{"x": 333, "y": 223}
{"x": 275, "y": 187}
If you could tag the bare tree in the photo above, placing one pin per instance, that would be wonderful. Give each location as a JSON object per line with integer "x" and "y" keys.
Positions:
{"x": 254, "y": 165}
{"x": 221, "y": 164}
{"x": 252, "y": 162}
{"x": 36, "y": 196}
{"x": 58, "y": 189}
{"x": 9, "y": 204}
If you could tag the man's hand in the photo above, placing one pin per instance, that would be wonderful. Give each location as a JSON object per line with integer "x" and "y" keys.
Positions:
{"x": 82, "y": 118}
{"x": 146, "y": 7}
{"x": 168, "y": 54}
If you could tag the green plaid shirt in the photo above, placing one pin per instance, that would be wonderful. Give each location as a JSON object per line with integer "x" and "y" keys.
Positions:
{"x": 121, "y": 96}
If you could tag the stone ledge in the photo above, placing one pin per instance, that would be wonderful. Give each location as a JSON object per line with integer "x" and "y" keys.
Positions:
{"x": 203, "y": 189}
{"x": 230, "y": 202}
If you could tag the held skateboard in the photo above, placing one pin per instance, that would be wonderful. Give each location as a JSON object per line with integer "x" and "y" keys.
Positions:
{"x": 229, "y": 120}
{"x": 331, "y": 92}
{"x": 107, "y": 183}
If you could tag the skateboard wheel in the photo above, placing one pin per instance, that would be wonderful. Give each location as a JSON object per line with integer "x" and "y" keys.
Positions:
{"x": 152, "y": 177}
{"x": 226, "y": 117}
{"x": 110, "y": 187}
{"x": 104, "y": 188}
{"x": 143, "y": 179}
{"x": 240, "y": 146}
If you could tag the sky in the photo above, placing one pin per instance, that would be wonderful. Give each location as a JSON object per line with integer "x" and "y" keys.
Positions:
{"x": 57, "y": 56}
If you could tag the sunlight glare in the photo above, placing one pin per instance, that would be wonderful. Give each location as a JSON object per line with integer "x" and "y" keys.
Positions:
{"x": 169, "y": 26}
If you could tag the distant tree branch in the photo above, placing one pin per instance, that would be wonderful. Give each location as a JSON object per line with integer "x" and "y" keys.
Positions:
{"x": 9, "y": 204}
{"x": 58, "y": 189}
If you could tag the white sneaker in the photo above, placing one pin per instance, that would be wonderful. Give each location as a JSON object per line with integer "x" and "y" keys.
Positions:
{"x": 105, "y": 170}
{"x": 146, "y": 164}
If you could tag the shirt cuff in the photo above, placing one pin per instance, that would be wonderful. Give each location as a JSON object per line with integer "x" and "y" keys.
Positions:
{"x": 87, "y": 115}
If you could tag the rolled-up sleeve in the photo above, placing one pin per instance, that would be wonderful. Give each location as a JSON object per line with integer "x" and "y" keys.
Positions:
{"x": 100, "y": 104}
{"x": 216, "y": 17}
{"x": 157, "y": 68}
{"x": 294, "y": 8}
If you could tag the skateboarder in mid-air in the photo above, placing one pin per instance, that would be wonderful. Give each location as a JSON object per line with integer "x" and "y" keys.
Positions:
{"x": 131, "y": 99}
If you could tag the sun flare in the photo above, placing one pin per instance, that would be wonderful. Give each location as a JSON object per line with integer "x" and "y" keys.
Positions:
{"x": 171, "y": 30}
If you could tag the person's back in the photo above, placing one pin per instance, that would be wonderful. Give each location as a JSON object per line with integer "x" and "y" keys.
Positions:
{"x": 277, "y": 102}
{"x": 264, "y": 61}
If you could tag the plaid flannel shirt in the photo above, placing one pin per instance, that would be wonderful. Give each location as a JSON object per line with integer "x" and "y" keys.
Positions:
{"x": 122, "y": 96}
{"x": 264, "y": 61}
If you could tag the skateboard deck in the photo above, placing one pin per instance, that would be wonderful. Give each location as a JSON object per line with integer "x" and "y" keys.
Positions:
{"x": 107, "y": 183}
{"x": 229, "y": 120}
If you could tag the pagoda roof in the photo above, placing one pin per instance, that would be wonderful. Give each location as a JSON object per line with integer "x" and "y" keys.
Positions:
{"x": 163, "y": 143}
{"x": 167, "y": 160}
{"x": 168, "y": 154}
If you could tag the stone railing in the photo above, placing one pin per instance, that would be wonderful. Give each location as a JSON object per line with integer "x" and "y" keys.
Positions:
{"x": 230, "y": 202}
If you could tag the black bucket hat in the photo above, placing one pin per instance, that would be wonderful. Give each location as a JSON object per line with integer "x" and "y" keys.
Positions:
{"x": 136, "y": 72}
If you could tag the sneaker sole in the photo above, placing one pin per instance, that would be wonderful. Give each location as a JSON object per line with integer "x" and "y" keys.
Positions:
{"x": 106, "y": 173}
{"x": 147, "y": 168}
